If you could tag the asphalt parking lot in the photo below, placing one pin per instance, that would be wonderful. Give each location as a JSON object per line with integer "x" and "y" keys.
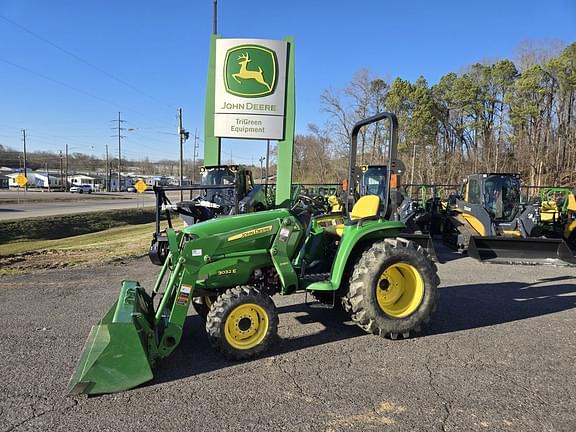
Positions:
{"x": 499, "y": 355}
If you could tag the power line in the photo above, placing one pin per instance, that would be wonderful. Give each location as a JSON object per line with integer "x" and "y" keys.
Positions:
{"x": 84, "y": 61}
{"x": 60, "y": 83}
{"x": 76, "y": 89}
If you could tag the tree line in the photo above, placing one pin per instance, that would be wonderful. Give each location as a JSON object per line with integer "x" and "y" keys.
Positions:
{"x": 495, "y": 116}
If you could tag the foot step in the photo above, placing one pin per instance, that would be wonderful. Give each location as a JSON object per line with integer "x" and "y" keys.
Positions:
{"x": 316, "y": 277}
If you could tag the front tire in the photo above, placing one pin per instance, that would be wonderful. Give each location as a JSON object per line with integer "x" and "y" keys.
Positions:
{"x": 242, "y": 323}
{"x": 393, "y": 289}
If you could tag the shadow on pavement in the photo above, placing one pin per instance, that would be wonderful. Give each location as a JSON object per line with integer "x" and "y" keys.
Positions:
{"x": 461, "y": 307}
{"x": 194, "y": 355}
{"x": 464, "y": 307}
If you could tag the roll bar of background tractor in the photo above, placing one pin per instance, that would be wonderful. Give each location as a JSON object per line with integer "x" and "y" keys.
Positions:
{"x": 161, "y": 198}
{"x": 393, "y": 144}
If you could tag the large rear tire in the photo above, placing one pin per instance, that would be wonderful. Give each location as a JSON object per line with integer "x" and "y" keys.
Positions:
{"x": 242, "y": 323}
{"x": 393, "y": 289}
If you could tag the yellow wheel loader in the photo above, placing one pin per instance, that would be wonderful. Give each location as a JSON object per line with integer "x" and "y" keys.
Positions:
{"x": 489, "y": 221}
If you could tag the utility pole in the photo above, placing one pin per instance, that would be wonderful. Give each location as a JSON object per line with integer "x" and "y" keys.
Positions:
{"x": 66, "y": 171}
{"x": 195, "y": 154}
{"x": 25, "y": 171}
{"x": 61, "y": 172}
{"x": 181, "y": 152}
{"x": 119, "y": 151}
{"x": 267, "y": 164}
{"x": 183, "y": 135}
{"x": 47, "y": 174}
{"x": 107, "y": 171}
{"x": 261, "y": 159}
{"x": 119, "y": 129}
{"x": 215, "y": 18}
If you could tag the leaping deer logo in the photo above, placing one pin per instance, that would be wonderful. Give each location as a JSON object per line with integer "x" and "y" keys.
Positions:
{"x": 246, "y": 74}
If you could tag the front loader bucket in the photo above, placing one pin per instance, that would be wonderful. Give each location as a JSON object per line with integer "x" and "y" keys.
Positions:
{"x": 423, "y": 240}
{"x": 116, "y": 355}
{"x": 509, "y": 250}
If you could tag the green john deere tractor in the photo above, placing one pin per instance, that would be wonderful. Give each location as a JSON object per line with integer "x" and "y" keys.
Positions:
{"x": 557, "y": 211}
{"x": 388, "y": 284}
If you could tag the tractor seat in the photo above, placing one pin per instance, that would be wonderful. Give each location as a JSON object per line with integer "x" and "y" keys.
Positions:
{"x": 548, "y": 211}
{"x": 571, "y": 203}
{"x": 367, "y": 206}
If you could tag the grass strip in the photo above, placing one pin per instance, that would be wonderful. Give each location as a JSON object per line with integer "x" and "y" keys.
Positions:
{"x": 57, "y": 227}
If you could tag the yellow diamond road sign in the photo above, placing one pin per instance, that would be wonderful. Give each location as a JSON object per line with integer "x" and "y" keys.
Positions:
{"x": 140, "y": 186}
{"x": 21, "y": 180}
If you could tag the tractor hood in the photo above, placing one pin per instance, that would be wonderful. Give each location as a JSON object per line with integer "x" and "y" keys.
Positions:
{"x": 231, "y": 223}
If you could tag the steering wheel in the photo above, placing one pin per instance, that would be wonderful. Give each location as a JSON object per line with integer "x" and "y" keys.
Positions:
{"x": 223, "y": 198}
{"x": 312, "y": 204}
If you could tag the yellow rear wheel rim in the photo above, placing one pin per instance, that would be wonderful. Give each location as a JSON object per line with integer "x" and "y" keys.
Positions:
{"x": 246, "y": 326}
{"x": 400, "y": 290}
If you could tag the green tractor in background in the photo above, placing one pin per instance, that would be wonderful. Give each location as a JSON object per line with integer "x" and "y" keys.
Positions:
{"x": 386, "y": 283}
{"x": 223, "y": 190}
{"x": 374, "y": 180}
{"x": 425, "y": 210}
{"x": 557, "y": 210}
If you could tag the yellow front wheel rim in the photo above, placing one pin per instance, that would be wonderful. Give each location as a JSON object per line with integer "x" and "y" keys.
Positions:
{"x": 400, "y": 290}
{"x": 246, "y": 326}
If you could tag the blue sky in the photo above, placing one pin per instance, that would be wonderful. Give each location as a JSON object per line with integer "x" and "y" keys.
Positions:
{"x": 67, "y": 66}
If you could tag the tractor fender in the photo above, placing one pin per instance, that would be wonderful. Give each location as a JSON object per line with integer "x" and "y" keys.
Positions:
{"x": 354, "y": 238}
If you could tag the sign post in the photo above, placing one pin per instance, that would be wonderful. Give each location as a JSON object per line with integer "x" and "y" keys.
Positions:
{"x": 21, "y": 181}
{"x": 141, "y": 187}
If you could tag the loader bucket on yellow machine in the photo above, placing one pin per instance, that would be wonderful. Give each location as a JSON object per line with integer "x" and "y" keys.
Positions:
{"x": 116, "y": 354}
{"x": 509, "y": 250}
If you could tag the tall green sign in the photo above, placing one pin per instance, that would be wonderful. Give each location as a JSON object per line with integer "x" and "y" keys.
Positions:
{"x": 211, "y": 142}
{"x": 251, "y": 95}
